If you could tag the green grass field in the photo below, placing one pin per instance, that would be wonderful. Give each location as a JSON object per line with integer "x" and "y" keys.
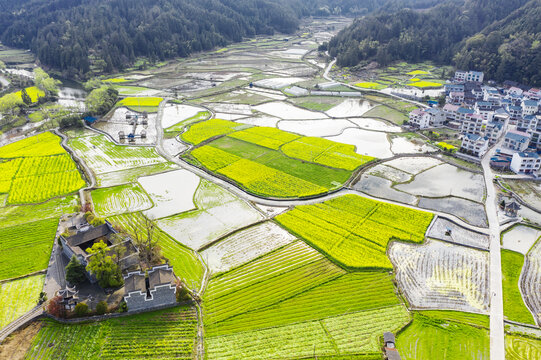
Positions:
{"x": 185, "y": 263}
{"x": 17, "y": 297}
{"x": 387, "y": 113}
{"x": 26, "y": 248}
{"x": 165, "y": 334}
{"x": 513, "y": 304}
{"x": 355, "y": 231}
{"x": 120, "y": 199}
{"x": 434, "y": 338}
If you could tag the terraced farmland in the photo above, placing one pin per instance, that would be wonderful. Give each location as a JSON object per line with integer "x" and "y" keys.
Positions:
{"x": 184, "y": 261}
{"x": 120, "y": 199}
{"x": 271, "y": 162}
{"x": 531, "y": 281}
{"x": 26, "y": 248}
{"x": 355, "y": 231}
{"x": 433, "y": 338}
{"x": 438, "y": 275}
{"x": 29, "y": 177}
{"x": 18, "y": 297}
{"x": 167, "y": 334}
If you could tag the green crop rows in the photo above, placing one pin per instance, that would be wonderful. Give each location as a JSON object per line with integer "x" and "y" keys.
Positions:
{"x": 435, "y": 338}
{"x": 355, "y": 231}
{"x": 26, "y": 248}
{"x": 522, "y": 348}
{"x": 119, "y": 199}
{"x": 271, "y": 162}
{"x": 185, "y": 263}
{"x": 18, "y": 297}
{"x": 168, "y": 334}
{"x": 36, "y": 169}
{"x": 513, "y": 305}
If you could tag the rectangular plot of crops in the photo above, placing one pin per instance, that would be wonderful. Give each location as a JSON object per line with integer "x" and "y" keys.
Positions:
{"x": 355, "y": 231}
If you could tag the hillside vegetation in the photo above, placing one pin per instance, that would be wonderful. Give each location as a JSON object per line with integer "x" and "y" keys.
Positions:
{"x": 498, "y": 37}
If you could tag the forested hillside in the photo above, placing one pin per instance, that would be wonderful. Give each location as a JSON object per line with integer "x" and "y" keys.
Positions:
{"x": 500, "y": 37}
{"x": 73, "y": 35}
{"x": 82, "y": 36}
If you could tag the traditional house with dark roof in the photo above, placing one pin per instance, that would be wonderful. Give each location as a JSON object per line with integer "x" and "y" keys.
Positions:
{"x": 158, "y": 289}
{"x": 78, "y": 245}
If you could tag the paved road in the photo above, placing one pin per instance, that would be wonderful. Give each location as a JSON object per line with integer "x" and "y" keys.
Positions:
{"x": 497, "y": 337}
{"x": 24, "y": 319}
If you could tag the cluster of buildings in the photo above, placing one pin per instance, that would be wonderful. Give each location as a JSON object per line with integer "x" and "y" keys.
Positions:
{"x": 483, "y": 113}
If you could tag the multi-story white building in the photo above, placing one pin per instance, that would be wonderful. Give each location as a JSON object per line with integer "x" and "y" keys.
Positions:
{"x": 469, "y": 76}
{"x": 472, "y": 124}
{"x": 529, "y": 107}
{"x": 515, "y": 112}
{"x": 493, "y": 131}
{"x": 427, "y": 118}
{"x": 485, "y": 109}
{"x": 516, "y": 140}
{"x": 528, "y": 123}
{"x": 474, "y": 145}
{"x": 525, "y": 163}
{"x": 456, "y": 97}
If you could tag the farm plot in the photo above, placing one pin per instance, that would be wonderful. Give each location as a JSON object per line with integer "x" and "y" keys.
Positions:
{"x": 356, "y": 231}
{"x": 287, "y": 111}
{"x": 131, "y": 175}
{"x": 513, "y": 306}
{"x": 266, "y": 281}
{"x": 43, "y": 144}
{"x": 245, "y": 246}
{"x": 531, "y": 281}
{"x": 358, "y": 291}
{"x": 165, "y": 334}
{"x": 218, "y": 213}
{"x": 26, "y": 248}
{"x": 199, "y": 132}
{"x": 469, "y": 211}
{"x": 390, "y": 173}
{"x": 434, "y": 338}
{"x": 183, "y": 260}
{"x": 350, "y": 108}
{"x": 414, "y": 165}
{"x": 140, "y": 104}
{"x": 522, "y": 347}
{"x": 103, "y": 156}
{"x": 249, "y": 158}
{"x": 28, "y": 177}
{"x": 354, "y": 335}
{"x": 120, "y": 199}
{"x": 367, "y": 143}
{"x": 317, "y": 128}
{"x": 520, "y": 238}
{"x": 179, "y": 125}
{"x": 382, "y": 188}
{"x": 171, "y": 192}
{"x": 438, "y": 275}
{"x": 17, "y": 297}
{"x": 446, "y": 180}
{"x": 23, "y": 214}
{"x": 176, "y": 114}
{"x": 458, "y": 234}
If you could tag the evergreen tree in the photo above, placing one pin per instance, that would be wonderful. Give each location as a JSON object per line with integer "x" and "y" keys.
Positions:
{"x": 25, "y": 97}
{"x": 75, "y": 271}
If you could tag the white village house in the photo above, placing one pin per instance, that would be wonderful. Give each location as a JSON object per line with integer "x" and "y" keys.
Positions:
{"x": 525, "y": 163}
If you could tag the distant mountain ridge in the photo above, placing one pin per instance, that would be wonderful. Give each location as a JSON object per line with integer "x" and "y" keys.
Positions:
{"x": 499, "y": 37}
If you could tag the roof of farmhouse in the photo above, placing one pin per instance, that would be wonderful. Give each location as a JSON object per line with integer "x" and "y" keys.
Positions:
{"x": 134, "y": 282}
{"x": 92, "y": 233}
{"x": 160, "y": 276}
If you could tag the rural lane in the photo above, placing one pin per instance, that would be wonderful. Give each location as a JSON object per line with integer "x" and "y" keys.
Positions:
{"x": 497, "y": 336}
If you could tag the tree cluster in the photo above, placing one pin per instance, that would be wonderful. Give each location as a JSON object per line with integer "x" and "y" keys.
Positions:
{"x": 101, "y": 100}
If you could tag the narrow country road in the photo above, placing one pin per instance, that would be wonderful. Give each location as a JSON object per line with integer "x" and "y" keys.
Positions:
{"x": 497, "y": 336}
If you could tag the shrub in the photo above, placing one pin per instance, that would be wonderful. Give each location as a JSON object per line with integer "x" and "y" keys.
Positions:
{"x": 55, "y": 308}
{"x": 101, "y": 308}
{"x": 123, "y": 307}
{"x": 81, "y": 309}
{"x": 97, "y": 221}
{"x": 75, "y": 271}
{"x": 88, "y": 214}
